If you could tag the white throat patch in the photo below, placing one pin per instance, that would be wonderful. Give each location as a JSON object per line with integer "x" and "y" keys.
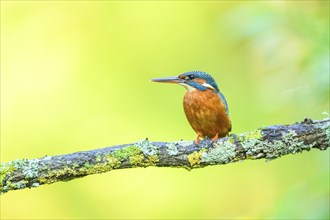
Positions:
{"x": 189, "y": 88}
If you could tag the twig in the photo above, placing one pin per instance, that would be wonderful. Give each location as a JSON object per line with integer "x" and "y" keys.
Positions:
{"x": 269, "y": 142}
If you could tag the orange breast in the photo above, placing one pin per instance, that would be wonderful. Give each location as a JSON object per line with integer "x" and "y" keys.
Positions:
{"x": 206, "y": 113}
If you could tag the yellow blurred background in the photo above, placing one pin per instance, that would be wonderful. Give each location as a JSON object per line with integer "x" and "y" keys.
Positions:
{"x": 75, "y": 75}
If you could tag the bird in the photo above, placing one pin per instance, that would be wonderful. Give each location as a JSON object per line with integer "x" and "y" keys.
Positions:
{"x": 205, "y": 107}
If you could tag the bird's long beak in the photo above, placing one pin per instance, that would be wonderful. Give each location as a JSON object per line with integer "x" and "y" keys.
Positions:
{"x": 172, "y": 79}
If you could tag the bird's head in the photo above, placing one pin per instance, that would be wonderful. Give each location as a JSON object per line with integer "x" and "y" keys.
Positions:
{"x": 192, "y": 80}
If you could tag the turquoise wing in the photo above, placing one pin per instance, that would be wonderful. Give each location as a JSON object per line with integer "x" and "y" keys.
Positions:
{"x": 223, "y": 99}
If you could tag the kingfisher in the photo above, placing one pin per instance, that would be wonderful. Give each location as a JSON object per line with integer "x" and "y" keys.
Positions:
{"x": 205, "y": 107}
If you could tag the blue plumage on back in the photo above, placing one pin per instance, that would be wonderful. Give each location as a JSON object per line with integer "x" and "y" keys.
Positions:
{"x": 223, "y": 99}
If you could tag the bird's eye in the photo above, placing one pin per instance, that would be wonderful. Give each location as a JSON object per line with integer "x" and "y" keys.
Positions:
{"x": 190, "y": 77}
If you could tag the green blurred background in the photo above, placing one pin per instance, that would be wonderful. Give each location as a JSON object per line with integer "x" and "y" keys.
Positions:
{"x": 75, "y": 75}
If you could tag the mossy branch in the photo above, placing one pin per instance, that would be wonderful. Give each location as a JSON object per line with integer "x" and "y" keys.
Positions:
{"x": 269, "y": 142}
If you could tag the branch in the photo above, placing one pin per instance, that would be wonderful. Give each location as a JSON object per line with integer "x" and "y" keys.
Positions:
{"x": 269, "y": 142}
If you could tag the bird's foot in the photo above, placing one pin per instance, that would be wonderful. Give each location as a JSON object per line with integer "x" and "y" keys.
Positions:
{"x": 197, "y": 139}
{"x": 215, "y": 137}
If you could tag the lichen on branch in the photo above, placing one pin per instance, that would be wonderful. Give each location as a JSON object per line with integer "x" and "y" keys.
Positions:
{"x": 267, "y": 142}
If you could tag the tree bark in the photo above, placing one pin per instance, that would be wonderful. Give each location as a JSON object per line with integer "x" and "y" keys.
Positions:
{"x": 268, "y": 142}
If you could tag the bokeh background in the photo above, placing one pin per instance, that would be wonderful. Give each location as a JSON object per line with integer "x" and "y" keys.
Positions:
{"x": 75, "y": 75}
